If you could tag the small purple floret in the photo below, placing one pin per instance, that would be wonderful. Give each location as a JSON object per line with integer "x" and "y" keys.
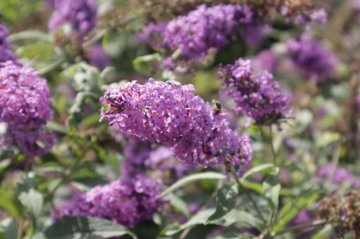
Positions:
{"x": 124, "y": 201}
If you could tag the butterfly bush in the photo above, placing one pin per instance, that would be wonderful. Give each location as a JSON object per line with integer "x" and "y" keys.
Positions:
{"x": 170, "y": 114}
{"x": 24, "y": 109}
{"x": 256, "y": 94}
{"x": 97, "y": 57}
{"x": 338, "y": 175}
{"x": 142, "y": 156}
{"x": 124, "y": 201}
{"x": 81, "y": 14}
{"x": 202, "y": 29}
{"x": 6, "y": 51}
{"x": 312, "y": 58}
{"x": 151, "y": 34}
{"x": 265, "y": 60}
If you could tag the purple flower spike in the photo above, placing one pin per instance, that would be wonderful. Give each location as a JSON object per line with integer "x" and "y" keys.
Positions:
{"x": 312, "y": 58}
{"x": 126, "y": 202}
{"x": 6, "y": 52}
{"x": 340, "y": 175}
{"x": 81, "y": 14}
{"x": 152, "y": 35}
{"x": 265, "y": 60}
{"x": 98, "y": 57}
{"x": 158, "y": 160}
{"x": 24, "y": 109}
{"x": 256, "y": 95}
{"x": 171, "y": 115}
{"x": 206, "y": 28}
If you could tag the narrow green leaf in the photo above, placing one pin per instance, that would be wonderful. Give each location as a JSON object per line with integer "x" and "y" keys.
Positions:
{"x": 81, "y": 227}
{"x": 191, "y": 178}
{"x": 56, "y": 127}
{"x": 325, "y": 232}
{"x": 9, "y": 203}
{"x": 235, "y": 236}
{"x": 178, "y": 203}
{"x": 145, "y": 64}
{"x": 257, "y": 169}
{"x": 257, "y": 187}
{"x": 272, "y": 188}
{"x": 242, "y": 218}
{"x": 30, "y": 35}
{"x": 225, "y": 201}
{"x": 292, "y": 208}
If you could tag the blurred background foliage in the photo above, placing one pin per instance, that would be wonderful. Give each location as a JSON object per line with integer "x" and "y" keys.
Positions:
{"x": 323, "y": 128}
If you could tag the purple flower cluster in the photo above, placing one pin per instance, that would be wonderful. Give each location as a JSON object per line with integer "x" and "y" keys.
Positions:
{"x": 265, "y": 60}
{"x": 136, "y": 154}
{"x": 339, "y": 175}
{"x": 142, "y": 156}
{"x": 81, "y": 14}
{"x": 312, "y": 58}
{"x": 318, "y": 15}
{"x": 124, "y": 201}
{"x": 98, "y": 57}
{"x": 151, "y": 34}
{"x": 302, "y": 218}
{"x": 256, "y": 95}
{"x": 24, "y": 109}
{"x": 202, "y": 29}
{"x": 254, "y": 34}
{"x": 170, "y": 114}
{"x": 6, "y": 52}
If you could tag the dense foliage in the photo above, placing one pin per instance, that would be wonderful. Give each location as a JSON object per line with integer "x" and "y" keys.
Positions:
{"x": 214, "y": 119}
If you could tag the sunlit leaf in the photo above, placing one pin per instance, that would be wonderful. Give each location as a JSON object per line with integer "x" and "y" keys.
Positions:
{"x": 225, "y": 201}
{"x": 81, "y": 227}
{"x": 191, "y": 178}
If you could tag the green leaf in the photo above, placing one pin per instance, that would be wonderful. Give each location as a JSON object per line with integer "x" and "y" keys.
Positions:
{"x": 33, "y": 201}
{"x": 147, "y": 64}
{"x": 257, "y": 187}
{"x": 84, "y": 77}
{"x": 42, "y": 52}
{"x": 242, "y": 218}
{"x": 56, "y": 127}
{"x": 325, "y": 232}
{"x": 272, "y": 188}
{"x": 9, "y": 227}
{"x": 8, "y": 203}
{"x": 191, "y": 178}
{"x": 81, "y": 227}
{"x": 235, "y": 236}
{"x": 292, "y": 208}
{"x": 257, "y": 169}
{"x": 178, "y": 203}
{"x": 225, "y": 201}
{"x": 30, "y": 35}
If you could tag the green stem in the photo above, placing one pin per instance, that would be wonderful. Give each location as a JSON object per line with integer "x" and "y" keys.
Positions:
{"x": 242, "y": 188}
{"x": 20, "y": 229}
{"x": 65, "y": 177}
{"x": 272, "y": 147}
